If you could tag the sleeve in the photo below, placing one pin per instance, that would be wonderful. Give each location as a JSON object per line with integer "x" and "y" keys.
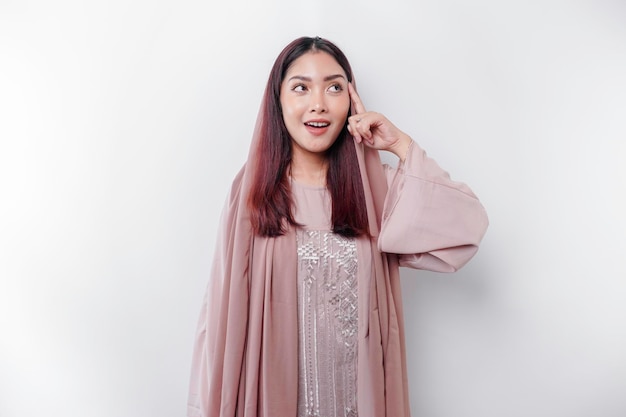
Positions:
{"x": 430, "y": 221}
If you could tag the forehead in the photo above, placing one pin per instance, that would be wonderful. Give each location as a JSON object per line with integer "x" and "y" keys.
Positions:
{"x": 314, "y": 64}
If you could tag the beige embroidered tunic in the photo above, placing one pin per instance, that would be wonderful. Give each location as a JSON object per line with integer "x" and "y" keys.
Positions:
{"x": 327, "y": 309}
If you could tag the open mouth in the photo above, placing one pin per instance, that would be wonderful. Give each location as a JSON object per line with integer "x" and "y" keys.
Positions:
{"x": 317, "y": 124}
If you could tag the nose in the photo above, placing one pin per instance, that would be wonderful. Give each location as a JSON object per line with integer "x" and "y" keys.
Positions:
{"x": 318, "y": 102}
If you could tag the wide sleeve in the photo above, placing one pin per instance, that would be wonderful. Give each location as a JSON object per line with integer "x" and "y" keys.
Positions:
{"x": 430, "y": 221}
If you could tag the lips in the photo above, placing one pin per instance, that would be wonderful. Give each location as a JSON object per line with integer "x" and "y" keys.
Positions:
{"x": 317, "y": 124}
{"x": 317, "y": 127}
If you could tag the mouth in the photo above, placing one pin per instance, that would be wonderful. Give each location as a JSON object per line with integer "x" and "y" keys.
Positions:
{"x": 317, "y": 127}
{"x": 317, "y": 124}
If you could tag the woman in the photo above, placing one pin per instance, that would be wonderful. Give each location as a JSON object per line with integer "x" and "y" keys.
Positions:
{"x": 303, "y": 314}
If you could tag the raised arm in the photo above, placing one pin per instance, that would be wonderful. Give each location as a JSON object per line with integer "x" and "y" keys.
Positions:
{"x": 432, "y": 222}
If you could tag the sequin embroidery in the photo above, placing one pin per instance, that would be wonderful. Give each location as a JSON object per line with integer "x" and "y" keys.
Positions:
{"x": 328, "y": 320}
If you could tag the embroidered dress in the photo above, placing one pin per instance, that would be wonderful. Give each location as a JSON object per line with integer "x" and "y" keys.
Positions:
{"x": 327, "y": 310}
{"x": 250, "y": 359}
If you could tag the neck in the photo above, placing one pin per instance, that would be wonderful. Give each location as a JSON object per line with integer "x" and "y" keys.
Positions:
{"x": 310, "y": 169}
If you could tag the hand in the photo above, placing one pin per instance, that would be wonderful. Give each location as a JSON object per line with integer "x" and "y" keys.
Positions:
{"x": 374, "y": 129}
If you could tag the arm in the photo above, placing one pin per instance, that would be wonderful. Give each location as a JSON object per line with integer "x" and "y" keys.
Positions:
{"x": 432, "y": 222}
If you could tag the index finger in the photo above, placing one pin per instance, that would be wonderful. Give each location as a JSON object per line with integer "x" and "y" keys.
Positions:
{"x": 357, "y": 104}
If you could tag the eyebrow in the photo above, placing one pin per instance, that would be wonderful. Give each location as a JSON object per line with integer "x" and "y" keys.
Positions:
{"x": 327, "y": 78}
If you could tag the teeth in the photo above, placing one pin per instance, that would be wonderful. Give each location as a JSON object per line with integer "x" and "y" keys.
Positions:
{"x": 318, "y": 124}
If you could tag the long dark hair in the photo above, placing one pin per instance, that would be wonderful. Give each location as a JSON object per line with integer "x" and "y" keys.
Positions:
{"x": 270, "y": 199}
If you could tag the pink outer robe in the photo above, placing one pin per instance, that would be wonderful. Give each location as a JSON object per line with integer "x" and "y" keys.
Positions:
{"x": 245, "y": 360}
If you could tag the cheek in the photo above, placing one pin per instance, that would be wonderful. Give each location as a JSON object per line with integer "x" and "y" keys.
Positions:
{"x": 291, "y": 108}
{"x": 343, "y": 105}
{"x": 343, "y": 108}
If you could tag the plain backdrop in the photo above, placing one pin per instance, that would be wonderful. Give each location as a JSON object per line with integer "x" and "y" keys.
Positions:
{"x": 122, "y": 124}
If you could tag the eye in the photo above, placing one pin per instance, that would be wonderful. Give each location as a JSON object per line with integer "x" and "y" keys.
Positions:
{"x": 299, "y": 88}
{"x": 335, "y": 88}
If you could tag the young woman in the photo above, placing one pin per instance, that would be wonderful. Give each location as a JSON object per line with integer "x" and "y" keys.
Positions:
{"x": 303, "y": 314}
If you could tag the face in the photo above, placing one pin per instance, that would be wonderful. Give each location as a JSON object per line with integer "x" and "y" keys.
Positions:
{"x": 315, "y": 102}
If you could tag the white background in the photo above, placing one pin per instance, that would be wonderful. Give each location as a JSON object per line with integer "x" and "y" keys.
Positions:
{"x": 123, "y": 123}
